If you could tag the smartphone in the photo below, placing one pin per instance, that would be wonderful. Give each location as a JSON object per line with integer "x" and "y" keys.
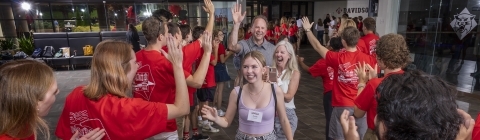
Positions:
{"x": 272, "y": 74}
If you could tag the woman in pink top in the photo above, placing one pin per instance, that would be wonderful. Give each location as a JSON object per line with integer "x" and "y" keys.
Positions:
{"x": 256, "y": 105}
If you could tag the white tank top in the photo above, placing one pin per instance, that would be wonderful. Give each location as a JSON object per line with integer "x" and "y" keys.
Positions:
{"x": 283, "y": 84}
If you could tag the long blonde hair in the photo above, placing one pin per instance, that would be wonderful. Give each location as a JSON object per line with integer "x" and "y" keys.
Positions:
{"x": 110, "y": 65}
{"x": 292, "y": 63}
{"x": 346, "y": 23}
{"x": 23, "y": 84}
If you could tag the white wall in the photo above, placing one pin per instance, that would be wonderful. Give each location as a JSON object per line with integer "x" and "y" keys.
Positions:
{"x": 322, "y": 8}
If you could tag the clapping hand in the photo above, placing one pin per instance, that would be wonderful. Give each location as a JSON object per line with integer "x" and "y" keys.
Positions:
{"x": 95, "y": 134}
{"x": 349, "y": 127}
{"x": 465, "y": 132}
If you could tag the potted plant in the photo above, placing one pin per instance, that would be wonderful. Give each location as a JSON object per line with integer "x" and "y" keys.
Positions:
{"x": 26, "y": 44}
{"x": 7, "y": 44}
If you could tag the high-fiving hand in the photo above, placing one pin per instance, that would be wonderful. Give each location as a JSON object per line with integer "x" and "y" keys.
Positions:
{"x": 207, "y": 41}
{"x": 365, "y": 72}
{"x": 237, "y": 13}
{"x": 209, "y": 8}
{"x": 175, "y": 53}
{"x": 306, "y": 23}
{"x": 209, "y": 113}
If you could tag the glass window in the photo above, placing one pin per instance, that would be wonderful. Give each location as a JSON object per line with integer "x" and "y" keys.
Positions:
{"x": 440, "y": 43}
{"x": 196, "y": 10}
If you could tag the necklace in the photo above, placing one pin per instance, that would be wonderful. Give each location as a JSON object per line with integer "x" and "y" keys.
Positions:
{"x": 251, "y": 93}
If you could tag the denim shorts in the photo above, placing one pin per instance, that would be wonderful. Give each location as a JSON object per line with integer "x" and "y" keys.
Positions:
{"x": 242, "y": 136}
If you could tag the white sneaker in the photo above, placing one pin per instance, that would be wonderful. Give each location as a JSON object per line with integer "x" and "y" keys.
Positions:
{"x": 221, "y": 113}
{"x": 209, "y": 128}
{"x": 200, "y": 123}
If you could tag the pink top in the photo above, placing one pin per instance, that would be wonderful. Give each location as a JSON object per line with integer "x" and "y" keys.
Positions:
{"x": 251, "y": 127}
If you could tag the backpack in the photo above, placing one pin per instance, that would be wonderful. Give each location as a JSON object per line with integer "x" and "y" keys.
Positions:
{"x": 274, "y": 97}
{"x": 48, "y": 51}
{"x": 37, "y": 52}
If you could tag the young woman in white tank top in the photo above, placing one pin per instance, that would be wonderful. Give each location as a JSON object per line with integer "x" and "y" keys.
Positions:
{"x": 288, "y": 77}
{"x": 256, "y": 104}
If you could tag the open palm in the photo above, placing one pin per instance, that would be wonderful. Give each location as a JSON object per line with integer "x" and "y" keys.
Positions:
{"x": 237, "y": 14}
{"x": 209, "y": 113}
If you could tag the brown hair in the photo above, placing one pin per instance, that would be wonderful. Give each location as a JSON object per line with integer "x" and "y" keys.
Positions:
{"x": 350, "y": 35}
{"x": 259, "y": 17}
{"x": 270, "y": 25}
{"x": 23, "y": 84}
{"x": 392, "y": 50}
{"x": 152, "y": 28}
{"x": 370, "y": 24}
{"x": 215, "y": 33}
{"x": 185, "y": 29}
{"x": 173, "y": 28}
{"x": 255, "y": 55}
{"x": 110, "y": 65}
{"x": 241, "y": 34}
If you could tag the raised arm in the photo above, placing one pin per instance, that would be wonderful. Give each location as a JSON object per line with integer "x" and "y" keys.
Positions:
{"x": 302, "y": 64}
{"x": 181, "y": 105}
{"x": 210, "y": 9}
{"x": 312, "y": 39}
{"x": 237, "y": 19}
{"x": 197, "y": 79}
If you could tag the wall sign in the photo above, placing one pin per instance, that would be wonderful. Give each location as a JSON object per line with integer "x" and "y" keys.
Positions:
{"x": 352, "y": 10}
{"x": 463, "y": 23}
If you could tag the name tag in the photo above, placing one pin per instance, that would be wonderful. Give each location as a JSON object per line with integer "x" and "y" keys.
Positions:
{"x": 255, "y": 116}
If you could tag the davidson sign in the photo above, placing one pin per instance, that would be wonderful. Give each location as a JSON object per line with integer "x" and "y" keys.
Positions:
{"x": 352, "y": 10}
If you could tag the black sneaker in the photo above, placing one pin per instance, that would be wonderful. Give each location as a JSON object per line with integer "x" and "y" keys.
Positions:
{"x": 200, "y": 137}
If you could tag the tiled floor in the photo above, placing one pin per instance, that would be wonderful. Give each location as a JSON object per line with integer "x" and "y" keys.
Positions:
{"x": 308, "y": 100}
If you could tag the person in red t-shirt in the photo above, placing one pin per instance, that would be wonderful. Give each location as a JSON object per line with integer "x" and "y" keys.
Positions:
{"x": 28, "y": 92}
{"x": 393, "y": 56}
{"x": 269, "y": 35}
{"x": 276, "y": 31}
{"x": 476, "y": 129}
{"x": 321, "y": 69}
{"x": 156, "y": 84}
{"x": 415, "y": 105}
{"x": 345, "y": 79}
{"x": 292, "y": 35}
{"x": 370, "y": 39}
{"x": 103, "y": 103}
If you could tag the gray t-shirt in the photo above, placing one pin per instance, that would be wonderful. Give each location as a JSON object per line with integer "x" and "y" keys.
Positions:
{"x": 267, "y": 49}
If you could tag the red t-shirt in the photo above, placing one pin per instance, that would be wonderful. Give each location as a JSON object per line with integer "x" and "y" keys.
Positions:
{"x": 476, "y": 129}
{"x": 154, "y": 80}
{"x": 292, "y": 31}
{"x": 248, "y": 35}
{"x": 285, "y": 29}
{"x": 269, "y": 34}
{"x": 221, "y": 50}
{"x": 277, "y": 31}
{"x": 122, "y": 118}
{"x": 321, "y": 69}
{"x": 366, "y": 100}
{"x": 360, "y": 46}
{"x": 7, "y": 137}
{"x": 210, "y": 77}
{"x": 370, "y": 41}
{"x": 345, "y": 78}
